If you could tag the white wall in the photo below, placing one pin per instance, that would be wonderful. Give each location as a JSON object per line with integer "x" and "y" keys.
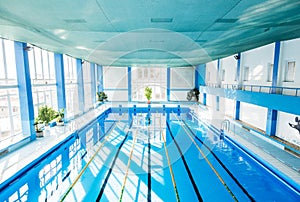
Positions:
{"x": 254, "y": 115}
{"x": 182, "y": 81}
{"x": 115, "y": 78}
{"x": 290, "y": 52}
{"x": 257, "y": 60}
{"x": 211, "y": 100}
{"x": 229, "y": 64}
{"x": 211, "y": 75}
{"x": 227, "y": 106}
{"x": 284, "y": 131}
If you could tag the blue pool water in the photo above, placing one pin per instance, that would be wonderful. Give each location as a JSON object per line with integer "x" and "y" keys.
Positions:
{"x": 143, "y": 156}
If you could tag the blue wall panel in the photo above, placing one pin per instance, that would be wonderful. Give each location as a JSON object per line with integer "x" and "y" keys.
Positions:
{"x": 80, "y": 85}
{"x": 25, "y": 92}
{"x": 129, "y": 84}
{"x": 168, "y": 83}
{"x": 200, "y": 72}
{"x": 100, "y": 78}
{"x": 60, "y": 80}
{"x": 93, "y": 83}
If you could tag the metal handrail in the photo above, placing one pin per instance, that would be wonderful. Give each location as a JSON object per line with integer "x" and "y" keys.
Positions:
{"x": 225, "y": 125}
{"x": 258, "y": 88}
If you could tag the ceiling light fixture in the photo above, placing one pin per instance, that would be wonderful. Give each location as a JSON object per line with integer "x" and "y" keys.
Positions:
{"x": 226, "y": 20}
{"x": 157, "y": 20}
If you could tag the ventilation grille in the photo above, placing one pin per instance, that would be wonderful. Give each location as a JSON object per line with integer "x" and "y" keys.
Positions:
{"x": 226, "y": 20}
{"x": 157, "y": 20}
{"x": 75, "y": 21}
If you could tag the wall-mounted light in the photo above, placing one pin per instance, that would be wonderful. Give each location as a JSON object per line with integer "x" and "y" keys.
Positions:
{"x": 237, "y": 57}
{"x": 28, "y": 48}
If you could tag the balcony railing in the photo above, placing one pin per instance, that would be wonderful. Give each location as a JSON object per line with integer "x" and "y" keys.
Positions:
{"x": 257, "y": 88}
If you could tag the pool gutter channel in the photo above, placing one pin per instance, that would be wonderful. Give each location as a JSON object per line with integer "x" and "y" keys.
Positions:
{"x": 280, "y": 175}
{"x": 72, "y": 135}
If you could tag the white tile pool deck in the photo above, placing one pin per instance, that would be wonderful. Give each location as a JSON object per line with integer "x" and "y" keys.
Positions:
{"x": 16, "y": 160}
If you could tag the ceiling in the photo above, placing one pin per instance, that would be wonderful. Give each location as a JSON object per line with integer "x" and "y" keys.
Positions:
{"x": 149, "y": 32}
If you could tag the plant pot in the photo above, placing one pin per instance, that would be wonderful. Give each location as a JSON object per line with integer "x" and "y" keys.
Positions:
{"x": 148, "y": 102}
{"x": 39, "y": 133}
{"x": 60, "y": 123}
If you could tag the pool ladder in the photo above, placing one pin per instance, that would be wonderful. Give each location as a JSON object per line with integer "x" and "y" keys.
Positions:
{"x": 225, "y": 125}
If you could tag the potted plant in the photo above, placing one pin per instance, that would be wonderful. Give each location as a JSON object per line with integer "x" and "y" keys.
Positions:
{"x": 38, "y": 130}
{"x": 148, "y": 93}
{"x": 46, "y": 114}
{"x": 101, "y": 96}
{"x": 60, "y": 117}
{"x": 193, "y": 95}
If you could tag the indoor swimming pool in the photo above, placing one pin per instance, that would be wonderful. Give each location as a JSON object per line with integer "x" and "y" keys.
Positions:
{"x": 143, "y": 154}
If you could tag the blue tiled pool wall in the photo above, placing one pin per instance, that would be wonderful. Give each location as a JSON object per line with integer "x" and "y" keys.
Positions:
{"x": 72, "y": 154}
{"x": 69, "y": 155}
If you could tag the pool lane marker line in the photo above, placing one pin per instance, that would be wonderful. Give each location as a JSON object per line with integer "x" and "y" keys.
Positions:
{"x": 112, "y": 166}
{"x": 149, "y": 168}
{"x": 128, "y": 165}
{"x": 170, "y": 168}
{"x": 85, "y": 167}
{"x": 221, "y": 163}
{"x": 211, "y": 166}
{"x": 186, "y": 166}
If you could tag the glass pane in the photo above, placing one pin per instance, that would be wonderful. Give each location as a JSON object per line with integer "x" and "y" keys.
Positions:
{"x": 4, "y": 111}
{"x": 38, "y": 63}
{"x": 10, "y": 60}
{"x": 45, "y": 64}
{"x": 31, "y": 61}
{"x": 2, "y": 70}
{"x": 52, "y": 65}
{"x": 17, "y": 124}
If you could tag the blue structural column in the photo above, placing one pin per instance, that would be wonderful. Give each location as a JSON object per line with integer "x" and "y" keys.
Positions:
{"x": 25, "y": 92}
{"x": 80, "y": 85}
{"x": 99, "y": 78}
{"x": 60, "y": 82}
{"x": 93, "y": 83}
{"x": 272, "y": 114}
{"x": 168, "y": 83}
{"x": 200, "y": 72}
{"x": 129, "y": 83}
{"x": 218, "y": 84}
{"x": 238, "y": 79}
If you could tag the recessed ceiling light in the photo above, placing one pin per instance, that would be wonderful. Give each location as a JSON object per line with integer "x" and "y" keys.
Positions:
{"x": 226, "y": 20}
{"x": 156, "y": 41}
{"x": 168, "y": 20}
{"x": 75, "y": 20}
{"x": 201, "y": 40}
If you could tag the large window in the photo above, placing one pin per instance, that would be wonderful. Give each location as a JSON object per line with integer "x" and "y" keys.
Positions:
{"x": 10, "y": 119}
{"x": 42, "y": 73}
{"x": 155, "y": 78}
{"x": 71, "y": 86}
{"x": 87, "y": 83}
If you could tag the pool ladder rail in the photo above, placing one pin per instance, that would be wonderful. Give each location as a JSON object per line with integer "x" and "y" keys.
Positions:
{"x": 225, "y": 125}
